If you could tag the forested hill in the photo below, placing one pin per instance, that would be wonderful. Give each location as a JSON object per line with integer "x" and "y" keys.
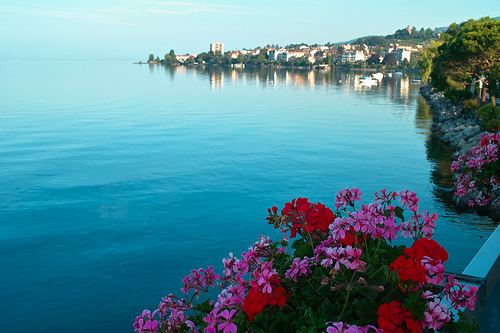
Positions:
{"x": 409, "y": 35}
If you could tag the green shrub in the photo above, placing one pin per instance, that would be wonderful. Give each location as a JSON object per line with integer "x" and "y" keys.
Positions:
{"x": 470, "y": 104}
{"x": 489, "y": 116}
{"x": 458, "y": 96}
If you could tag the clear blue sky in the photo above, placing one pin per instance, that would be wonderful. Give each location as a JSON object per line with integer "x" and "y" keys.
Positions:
{"x": 129, "y": 29}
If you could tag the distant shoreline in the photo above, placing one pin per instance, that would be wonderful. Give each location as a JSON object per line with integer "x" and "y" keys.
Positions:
{"x": 272, "y": 66}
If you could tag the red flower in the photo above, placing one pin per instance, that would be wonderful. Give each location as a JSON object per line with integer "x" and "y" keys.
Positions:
{"x": 256, "y": 301}
{"x": 352, "y": 238}
{"x": 408, "y": 269}
{"x": 393, "y": 318}
{"x": 424, "y": 247}
{"x": 307, "y": 217}
{"x": 319, "y": 217}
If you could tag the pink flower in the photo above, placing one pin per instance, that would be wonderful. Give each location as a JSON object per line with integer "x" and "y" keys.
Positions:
{"x": 299, "y": 267}
{"x": 339, "y": 227}
{"x": 146, "y": 323}
{"x": 199, "y": 280}
{"x": 475, "y": 171}
{"x": 233, "y": 295}
{"x": 263, "y": 276}
{"x": 434, "y": 270}
{"x": 340, "y": 327}
{"x": 212, "y": 320}
{"x": 347, "y": 197}
{"x": 409, "y": 199}
{"x": 227, "y": 326}
{"x": 230, "y": 265}
{"x": 347, "y": 256}
{"x": 436, "y": 315}
{"x": 460, "y": 295}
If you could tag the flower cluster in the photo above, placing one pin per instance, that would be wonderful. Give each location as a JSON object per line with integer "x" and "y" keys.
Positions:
{"x": 436, "y": 315}
{"x": 305, "y": 218}
{"x": 422, "y": 262}
{"x": 459, "y": 295}
{"x": 394, "y": 318}
{"x": 199, "y": 280}
{"x": 340, "y": 327}
{"x": 257, "y": 300}
{"x": 477, "y": 171}
{"x": 341, "y": 274}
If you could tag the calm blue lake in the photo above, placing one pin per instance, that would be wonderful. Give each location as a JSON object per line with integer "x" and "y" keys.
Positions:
{"x": 117, "y": 179}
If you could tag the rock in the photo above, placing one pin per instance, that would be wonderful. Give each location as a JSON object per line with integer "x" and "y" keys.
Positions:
{"x": 461, "y": 130}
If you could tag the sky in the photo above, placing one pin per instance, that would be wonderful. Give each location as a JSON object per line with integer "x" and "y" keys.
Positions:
{"x": 131, "y": 29}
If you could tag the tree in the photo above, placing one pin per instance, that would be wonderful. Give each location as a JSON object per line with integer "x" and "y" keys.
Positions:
{"x": 374, "y": 59}
{"x": 151, "y": 57}
{"x": 170, "y": 58}
{"x": 390, "y": 59}
{"x": 426, "y": 59}
{"x": 494, "y": 82}
{"x": 470, "y": 49}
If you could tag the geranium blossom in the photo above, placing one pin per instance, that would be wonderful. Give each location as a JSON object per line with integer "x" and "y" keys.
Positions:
{"x": 256, "y": 300}
{"x": 299, "y": 268}
{"x": 460, "y": 295}
{"x": 409, "y": 199}
{"x": 409, "y": 269}
{"x": 347, "y": 256}
{"x": 347, "y": 197}
{"x": 477, "y": 171}
{"x": 199, "y": 280}
{"x": 306, "y": 217}
{"x": 146, "y": 322}
{"x": 436, "y": 315}
{"x": 340, "y": 327}
{"x": 227, "y": 325}
{"x": 264, "y": 276}
{"x": 393, "y": 318}
{"x": 337, "y": 267}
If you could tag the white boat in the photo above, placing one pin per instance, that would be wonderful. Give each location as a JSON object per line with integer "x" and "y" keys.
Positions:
{"x": 378, "y": 76}
{"x": 368, "y": 81}
{"x": 416, "y": 80}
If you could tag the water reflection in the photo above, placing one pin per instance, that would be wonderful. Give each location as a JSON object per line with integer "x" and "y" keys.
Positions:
{"x": 396, "y": 87}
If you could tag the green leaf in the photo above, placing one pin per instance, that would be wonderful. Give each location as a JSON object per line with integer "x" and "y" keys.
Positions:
{"x": 365, "y": 310}
{"x": 399, "y": 213}
{"x": 415, "y": 304}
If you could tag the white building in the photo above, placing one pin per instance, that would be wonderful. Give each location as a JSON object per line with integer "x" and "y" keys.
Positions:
{"x": 286, "y": 55}
{"x": 217, "y": 47}
{"x": 274, "y": 54}
{"x": 352, "y": 56}
{"x": 403, "y": 54}
{"x": 183, "y": 57}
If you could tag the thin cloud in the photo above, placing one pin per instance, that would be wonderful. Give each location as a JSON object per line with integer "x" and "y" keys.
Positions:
{"x": 97, "y": 16}
{"x": 187, "y": 7}
{"x": 164, "y": 11}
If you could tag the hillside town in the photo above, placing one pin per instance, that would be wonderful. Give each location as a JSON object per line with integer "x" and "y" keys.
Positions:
{"x": 362, "y": 52}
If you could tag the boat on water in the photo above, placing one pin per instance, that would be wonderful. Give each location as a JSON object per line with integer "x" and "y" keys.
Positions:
{"x": 378, "y": 76}
{"x": 368, "y": 80}
{"x": 322, "y": 66}
{"x": 416, "y": 80}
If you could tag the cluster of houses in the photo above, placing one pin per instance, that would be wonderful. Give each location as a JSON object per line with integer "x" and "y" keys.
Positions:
{"x": 338, "y": 54}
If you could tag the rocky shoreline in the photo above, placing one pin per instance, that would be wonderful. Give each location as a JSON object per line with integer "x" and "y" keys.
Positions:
{"x": 460, "y": 130}
{"x": 450, "y": 124}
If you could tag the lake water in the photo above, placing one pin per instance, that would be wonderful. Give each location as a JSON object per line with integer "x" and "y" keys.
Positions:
{"x": 117, "y": 179}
